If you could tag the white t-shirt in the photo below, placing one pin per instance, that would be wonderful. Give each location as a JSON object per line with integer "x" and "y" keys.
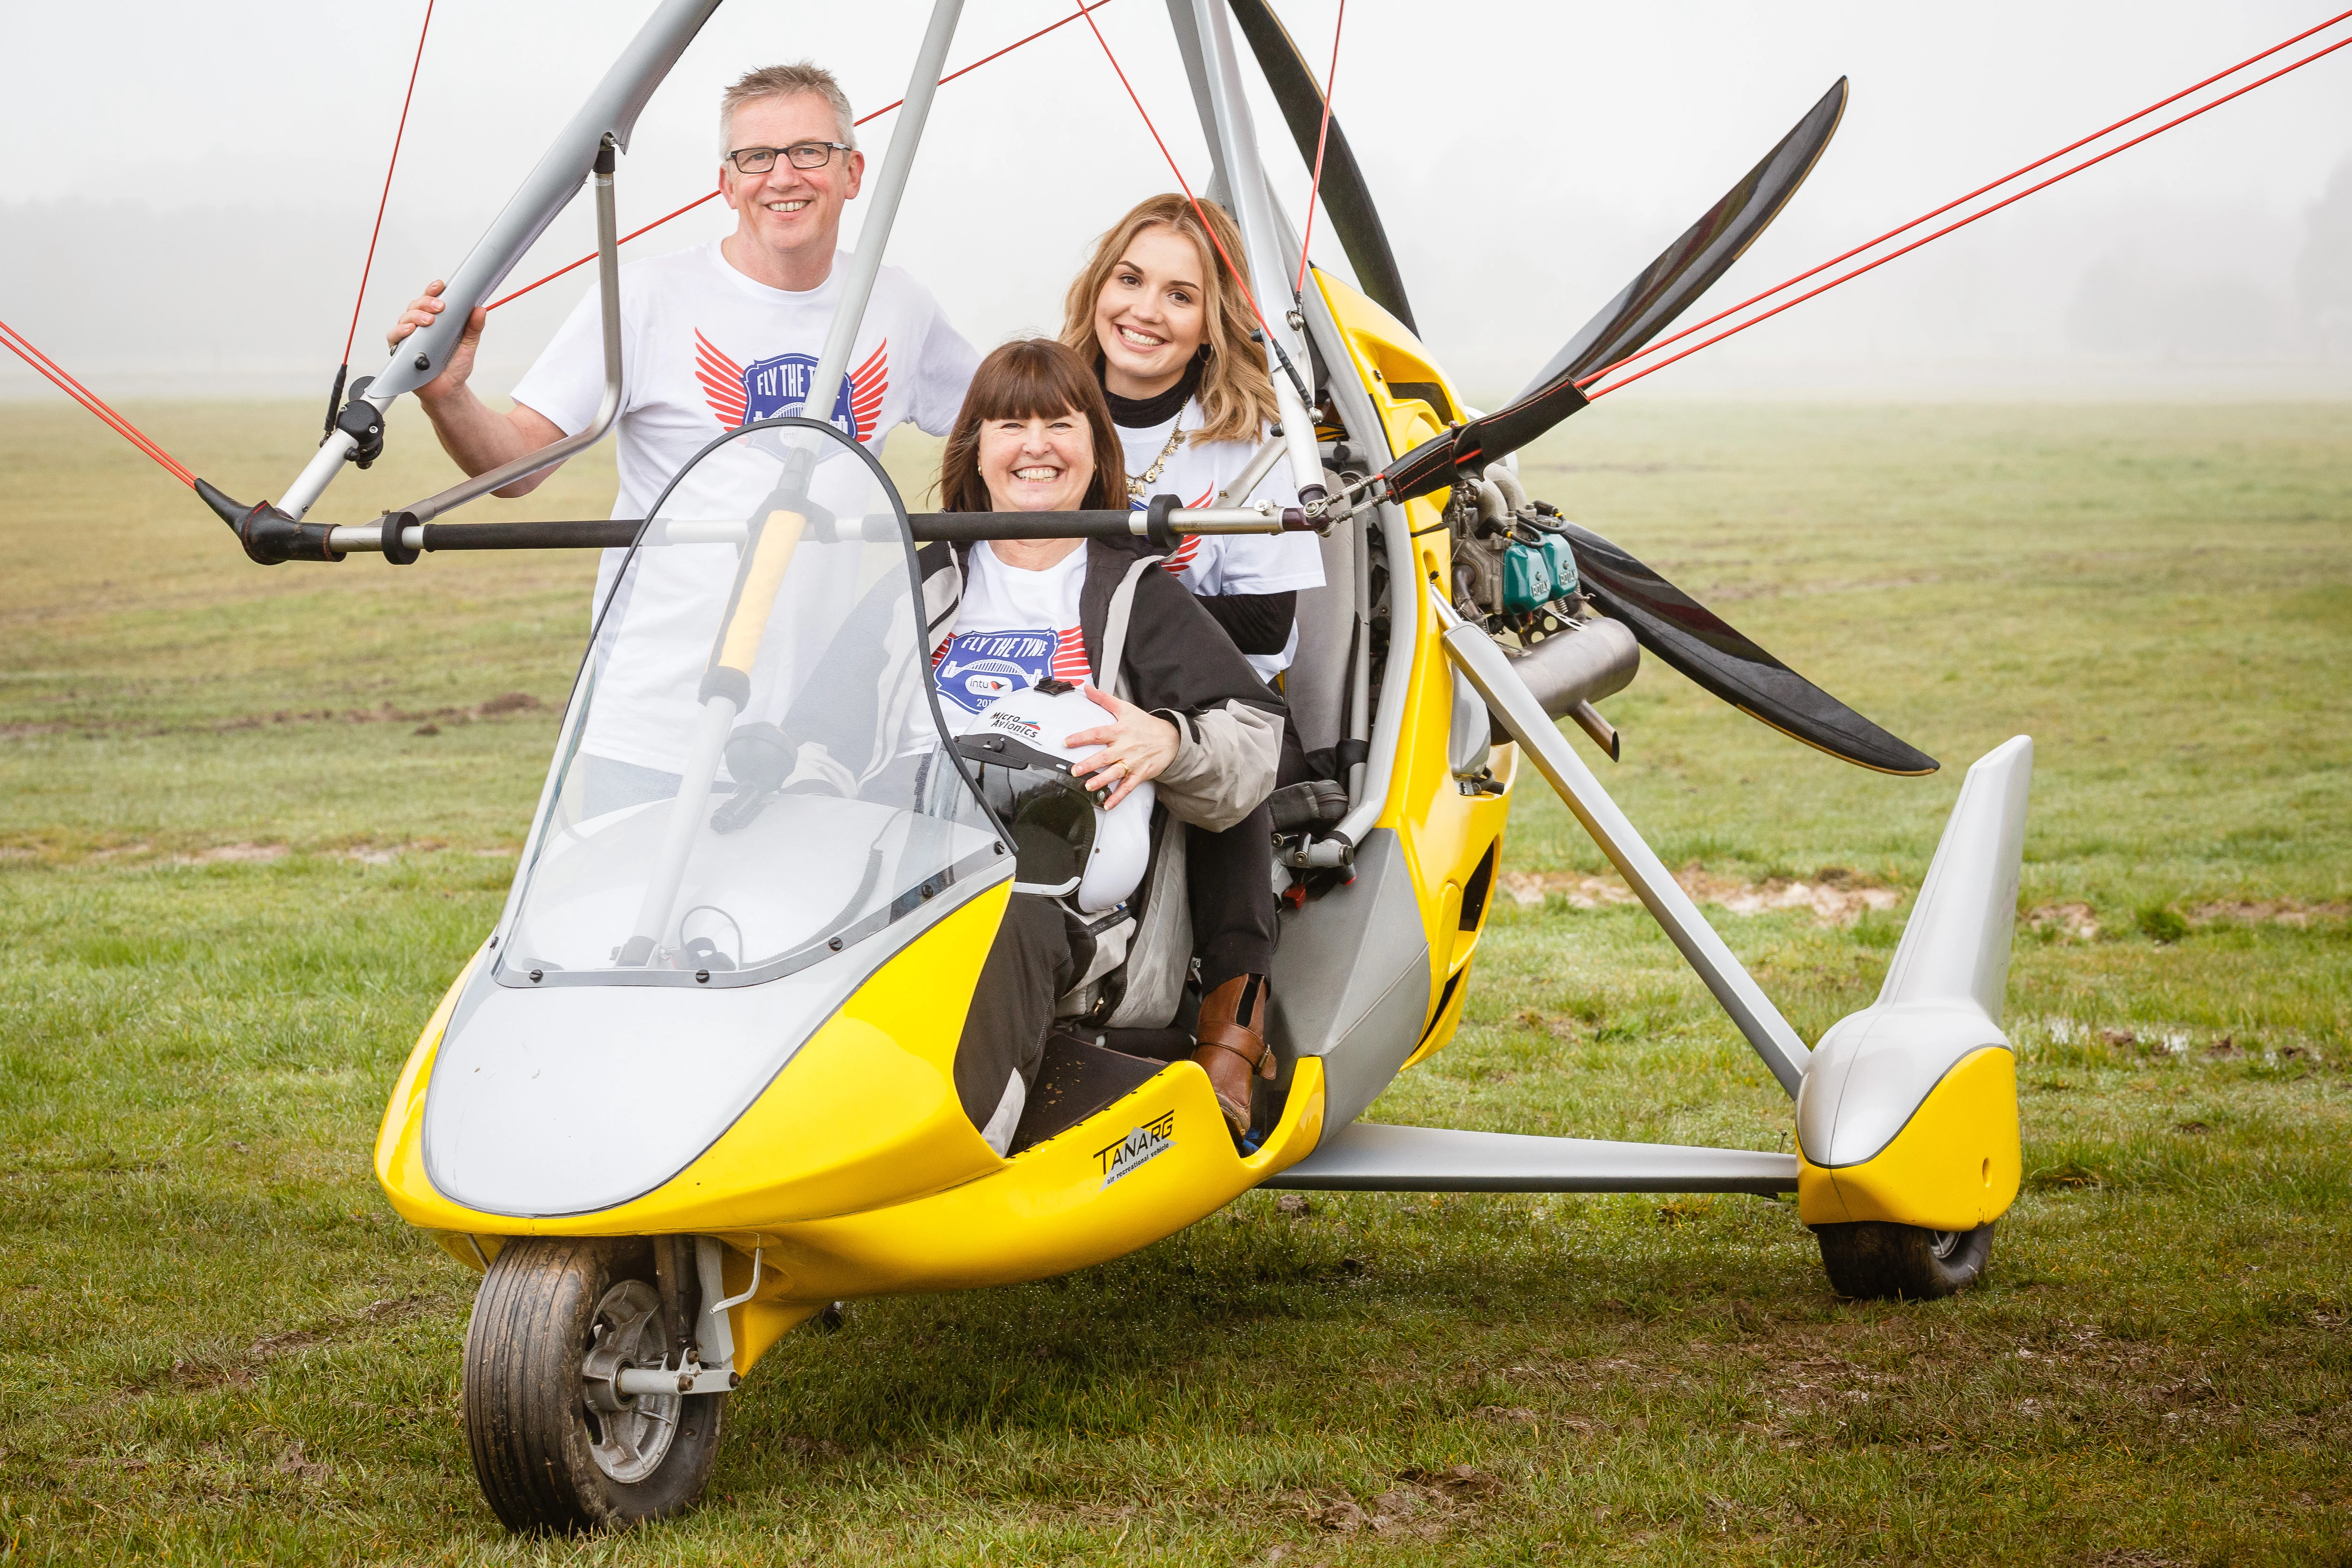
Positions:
{"x": 1210, "y": 564}
{"x": 705, "y": 349}
{"x": 1014, "y": 629}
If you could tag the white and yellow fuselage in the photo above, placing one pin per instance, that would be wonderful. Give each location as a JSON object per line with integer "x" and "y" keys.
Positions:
{"x": 855, "y": 1172}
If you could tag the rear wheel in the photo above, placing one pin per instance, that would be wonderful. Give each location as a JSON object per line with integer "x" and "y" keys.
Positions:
{"x": 555, "y": 1446}
{"x": 1874, "y": 1260}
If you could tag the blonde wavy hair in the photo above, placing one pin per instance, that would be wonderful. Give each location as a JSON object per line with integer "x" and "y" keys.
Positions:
{"x": 1236, "y": 393}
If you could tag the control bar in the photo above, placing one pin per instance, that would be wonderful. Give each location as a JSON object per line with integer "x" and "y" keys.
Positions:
{"x": 1161, "y": 525}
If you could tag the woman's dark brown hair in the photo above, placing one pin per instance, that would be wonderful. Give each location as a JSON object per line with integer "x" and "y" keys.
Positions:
{"x": 1031, "y": 378}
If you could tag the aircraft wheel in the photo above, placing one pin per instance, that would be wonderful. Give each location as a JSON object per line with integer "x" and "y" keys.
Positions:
{"x": 1875, "y": 1260}
{"x": 555, "y": 1446}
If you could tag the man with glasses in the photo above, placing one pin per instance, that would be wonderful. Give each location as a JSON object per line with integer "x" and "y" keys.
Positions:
{"x": 712, "y": 338}
{"x": 725, "y": 333}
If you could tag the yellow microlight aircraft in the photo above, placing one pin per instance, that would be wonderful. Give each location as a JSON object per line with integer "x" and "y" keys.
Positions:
{"x": 697, "y": 1083}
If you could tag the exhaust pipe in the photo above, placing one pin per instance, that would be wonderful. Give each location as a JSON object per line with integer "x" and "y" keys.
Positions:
{"x": 1570, "y": 671}
{"x": 1604, "y": 735}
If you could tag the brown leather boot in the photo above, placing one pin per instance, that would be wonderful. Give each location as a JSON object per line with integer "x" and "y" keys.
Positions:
{"x": 1232, "y": 1035}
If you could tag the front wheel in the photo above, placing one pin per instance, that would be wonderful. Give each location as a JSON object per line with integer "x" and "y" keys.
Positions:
{"x": 1872, "y": 1259}
{"x": 554, "y": 1447}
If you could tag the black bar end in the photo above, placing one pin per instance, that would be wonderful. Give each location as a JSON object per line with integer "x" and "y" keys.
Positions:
{"x": 269, "y": 535}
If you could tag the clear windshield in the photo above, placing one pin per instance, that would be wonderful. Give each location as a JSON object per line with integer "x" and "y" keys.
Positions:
{"x": 752, "y": 776}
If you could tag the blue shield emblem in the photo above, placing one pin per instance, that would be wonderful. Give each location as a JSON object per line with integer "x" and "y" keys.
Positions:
{"x": 978, "y": 668}
{"x": 780, "y": 385}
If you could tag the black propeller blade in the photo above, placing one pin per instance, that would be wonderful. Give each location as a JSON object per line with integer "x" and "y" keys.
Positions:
{"x": 1685, "y": 269}
{"x": 1345, "y": 196}
{"x": 1699, "y": 643}
{"x": 1434, "y": 464}
{"x": 1641, "y": 311}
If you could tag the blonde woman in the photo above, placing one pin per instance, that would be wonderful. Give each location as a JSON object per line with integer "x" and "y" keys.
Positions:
{"x": 1166, "y": 326}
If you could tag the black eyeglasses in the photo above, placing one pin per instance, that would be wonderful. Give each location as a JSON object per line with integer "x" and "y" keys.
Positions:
{"x": 803, "y": 155}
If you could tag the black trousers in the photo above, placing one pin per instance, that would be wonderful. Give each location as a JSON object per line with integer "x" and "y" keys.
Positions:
{"x": 1229, "y": 881}
{"x": 1029, "y": 966}
{"x": 1231, "y": 877}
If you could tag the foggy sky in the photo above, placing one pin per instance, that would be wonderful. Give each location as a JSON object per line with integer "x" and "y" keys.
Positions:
{"x": 187, "y": 199}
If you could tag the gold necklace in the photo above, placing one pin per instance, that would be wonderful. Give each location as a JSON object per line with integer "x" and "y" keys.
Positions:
{"x": 1138, "y": 487}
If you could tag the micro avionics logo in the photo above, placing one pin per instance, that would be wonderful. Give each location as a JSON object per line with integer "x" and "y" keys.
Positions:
{"x": 1149, "y": 1142}
{"x": 1013, "y": 724}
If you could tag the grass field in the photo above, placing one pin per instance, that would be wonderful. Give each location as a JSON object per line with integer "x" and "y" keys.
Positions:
{"x": 251, "y": 821}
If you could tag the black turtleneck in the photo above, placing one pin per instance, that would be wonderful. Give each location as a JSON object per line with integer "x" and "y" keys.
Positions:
{"x": 1258, "y": 623}
{"x": 1143, "y": 413}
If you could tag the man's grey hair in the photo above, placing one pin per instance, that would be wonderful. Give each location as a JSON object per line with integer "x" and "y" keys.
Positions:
{"x": 786, "y": 81}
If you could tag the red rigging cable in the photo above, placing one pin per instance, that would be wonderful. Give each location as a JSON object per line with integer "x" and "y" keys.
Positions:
{"x": 1322, "y": 137}
{"x": 1963, "y": 223}
{"x": 1239, "y": 276}
{"x": 877, "y": 114}
{"x": 390, "y": 164}
{"x": 623, "y": 240}
{"x": 983, "y": 59}
{"x": 22, "y": 347}
{"x": 1905, "y": 228}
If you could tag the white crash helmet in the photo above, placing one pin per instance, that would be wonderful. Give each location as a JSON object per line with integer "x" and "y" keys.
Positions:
{"x": 1067, "y": 844}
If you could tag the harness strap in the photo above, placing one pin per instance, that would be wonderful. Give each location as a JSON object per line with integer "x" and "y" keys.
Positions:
{"x": 1114, "y": 647}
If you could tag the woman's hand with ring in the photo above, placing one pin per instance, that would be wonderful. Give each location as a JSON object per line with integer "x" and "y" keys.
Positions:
{"x": 1141, "y": 744}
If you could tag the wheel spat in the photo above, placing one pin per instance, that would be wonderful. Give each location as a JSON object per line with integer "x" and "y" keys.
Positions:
{"x": 1699, "y": 643}
{"x": 1345, "y": 195}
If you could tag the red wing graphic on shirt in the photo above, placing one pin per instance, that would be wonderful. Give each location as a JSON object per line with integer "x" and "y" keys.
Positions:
{"x": 740, "y": 395}
{"x": 1183, "y": 554}
{"x": 867, "y": 385}
{"x": 722, "y": 382}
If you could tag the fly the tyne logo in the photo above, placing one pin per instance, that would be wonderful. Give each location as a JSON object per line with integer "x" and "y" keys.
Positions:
{"x": 780, "y": 384}
{"x": 1023, "y": 647}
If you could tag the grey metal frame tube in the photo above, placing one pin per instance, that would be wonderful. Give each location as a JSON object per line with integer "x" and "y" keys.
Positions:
{"x": 1196, "y": 73}
{"x": 930, "y": 64}
{"x": 720, "y": 710}
{"x": 612, "y": 111}
{"x": 1234, "y": 135}
{"x": 1364, "y": 427}
{"x": 1381, "y": 1157}
{"x": 608, "y": 407}
{"x": 1475, "y": 655}
{"x": 1356, "y": 413}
